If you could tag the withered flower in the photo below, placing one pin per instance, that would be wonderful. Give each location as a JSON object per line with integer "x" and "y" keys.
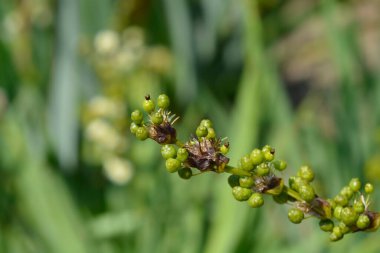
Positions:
{"x": 164, "y": 133}
{"x": 204, "y": 154}
{"x": 268, "y": 184}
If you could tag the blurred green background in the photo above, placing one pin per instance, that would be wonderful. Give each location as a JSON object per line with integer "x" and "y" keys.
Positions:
{"x": 302, "y": 76}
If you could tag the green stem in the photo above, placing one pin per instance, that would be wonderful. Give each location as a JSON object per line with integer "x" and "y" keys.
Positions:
{"x": 236, "y": 171}
{"x": 292, "y": 193}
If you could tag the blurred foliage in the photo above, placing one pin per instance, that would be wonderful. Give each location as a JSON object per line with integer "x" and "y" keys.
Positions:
{"x": 300, "y": 75}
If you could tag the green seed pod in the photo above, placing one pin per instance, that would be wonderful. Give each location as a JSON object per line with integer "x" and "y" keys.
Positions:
{"x": 338, "y": 212}
{"x": 201, "y": 131}
{"x": 157, "y": 118}
{"x": 295, "y": 215}
{"x": 246, "y": 163}
{"x": 332, "y": 203}
{"x": 307, "y": 192}
{"x": 336, "y": 234}
{"x": 326, "y": 225}
{"x": 281, "y": 198}
{"x": 210, "y": 133}
{"x": 163, "y": 101}
{"x": 241, "y": 194}
{"x": 306, "y": 173}
{"x": 268, "y": 152}
{"x": 172, "y": 165}
{"x": 256, "y": 200}
{"x": 137, "y": 117}
{"x": 257, "y": 156}
{"x": 182, "y": 154}
{"x": 133, "y": 127}
{"x": 349, "y": 216}
{"x": 279, "y": 165}
{"x": 347, "y": 192}
{"x": 296, "y": 182}
{"x": 263, "y": 169}
{"x": 246, "y": 182}
{"x": 224, "y": 149}
{"x": 355, "y": 184}
{"x": 341, "y": 200}
{"x": 363, "y": 221}
{"x": 368, "y": 188}
{"x": 185, "y": 173}
{"x": 168, "y": 151}
{"x": 142, "y": 133}
{"x": 343, "y": 227}
{"x": 148, "y": 105}
{"x": 206, "y": 123}
{"x": 359, "y": 206}
{"x": 233, "y": 180}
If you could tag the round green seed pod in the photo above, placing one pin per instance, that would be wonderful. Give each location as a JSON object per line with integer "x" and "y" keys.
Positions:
{"x": 142, "y": 133}
{"x": 210, "y": 133}
{"x": 344, "y": 228}
{"x": 262, "y": 169}
{"x": 279, "y": 165}
{"x": 326, "y": 225}
{"x": 157, "y": 118}
{"x": 241, "y": 194}
{"x": 338, "y": 212}
{"x": 233, "y": 180}
{"x": 257, "y": 156}
{"x": 368, "y": 188}
{"x": 148, "y": 105}
{"x": 246, "y": 182}
{"x": 201, "y": 131}
{"x": 359, "y": 206}
{"x": 182, "y": 154}
{"x": 306, "y": 173}
{"x": 363, "y": 221}
{"x": 349, "y": 216}
{"x": 355, "y": 184}
{"x": 224, "y": 149}
{"x": 172, "y": 165}
{"x": 137, "y": 117}
{"x": 185, "y": 173}
{"x": 347, "y": 192}
{"x": 332, "y": 203}
{"x": 336, "y": 234}
{"x": 133, "y": 127}
{"x": 206, "y": 123}
{"x": 295, "y": 215}
{"x": 163, "y": 101}
{"x": 307, "y": 192}
{"x": 281, "y": 198}
{"x": 256, "y": 200}
{"x": 168, "y": 151}
{"x": 246, "y": 163}
{"x": 268, "y": 152}
{"x": 296, "y": 182}
{"x": 341, "y": 200}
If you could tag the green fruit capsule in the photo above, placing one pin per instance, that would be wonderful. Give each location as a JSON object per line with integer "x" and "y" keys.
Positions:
{"x": 279, "y": 165}
{"x": 168, "y": 151}
{"x": 338, "y": 212}
{"x": 142, "y": 133}
{"x": 295, "y": 215}
{"x": 246, "y": 182}
{"x": 326, "y": 225}
{"x": 336, "y": 234}
{"x": 246, "y": 163}
{"x": 185, "y": 173}
{"x": 206, "y": 123}
{"x": 182, "y": 154}
{"x": 359, "y": 206}
{"x": 355, "y": 184}
{"x": 281, "y": 198}
{"x": 306, "y": 173}
{"x": 133, "y": 127}
{"x": 263, "y": 169}
{"x": 296, "y": 182}
{"x": 268, "y": 152}
{"x": 363, "y": 221}
{"x": 148, "y": 105}
{"x": 157, "y": 118}
{"x": 210, "y": 133}
{"x": 163, "y": 101}
{"x": 368, "y": 188}
{"x": 172, "y": 165}
{"x": 241, "y": 194}
{"x": 137, "y": 117}
{"x": 224, "y": 149}
{"x": 349, "y": 216}
{"x": 201, "y": 131}
{"x": 257, "y": 156}
{"x": 233, "y": 180}
{"x": 341, "y": 200}
{"x": 256, "y": 200}
{"x": 347, "y": 192}
{"x": 307, "y": 192}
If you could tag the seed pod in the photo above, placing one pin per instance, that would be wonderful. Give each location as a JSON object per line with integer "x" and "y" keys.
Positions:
{"x": 256, "y": 200}
{"x": 295, "y": 215}
{"x": 241, "y": 194}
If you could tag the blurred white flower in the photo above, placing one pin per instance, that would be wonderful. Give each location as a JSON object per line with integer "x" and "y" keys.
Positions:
{"x": 104, "y": 107}
{"x": 106, "y": 42}
{"x": 102, "y": 133}
{"x": 118, "y": 170}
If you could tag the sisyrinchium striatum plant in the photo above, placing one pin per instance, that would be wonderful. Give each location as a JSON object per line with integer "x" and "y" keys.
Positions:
{"x": 255, "y": 174}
